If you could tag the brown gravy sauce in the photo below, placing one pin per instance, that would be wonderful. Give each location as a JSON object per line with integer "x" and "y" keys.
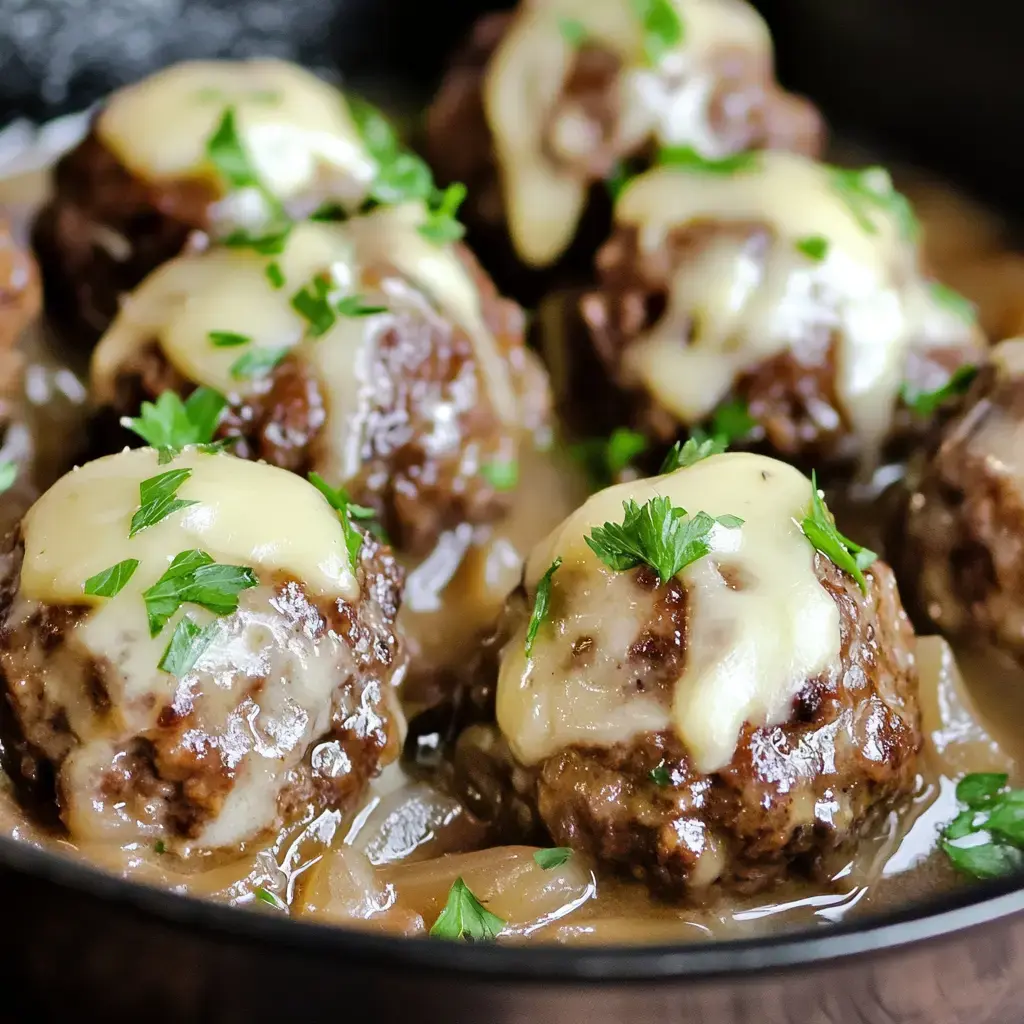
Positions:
{"x": 388, "y": 863}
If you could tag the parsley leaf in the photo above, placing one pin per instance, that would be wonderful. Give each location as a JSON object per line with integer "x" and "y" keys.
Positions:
{"x": 194, "y": 577}
{"x": 441, "y": 227}
{"x": 953, "y": 302}
{"x": 112, "y": 581}
{"x": 272, "y": 899}
{"x": 573, "y": 31}
{"x": 604, "y": 459}
{"x": 170, "y": 423}
{"x": 541, "y": 604}
{"x": 157, "y": 500}
{"x": 814, "y": 247}
{"x": 465, "y": 917}
{"x": 553, "y": 858}
{"x": 257, "y": 362}
{"x": 993, "y": 824}
{"x": 186, "y": 647}
{"x": 820, "y": 529}
{"x": 871, "y": 191}
{"x": 8, "y": 474}
{"x": 732, "y": 421}
{"x": 502, "y": 476}
{"x": 686, "y": 158}
{"x": 338, "y": 498}
{"x": 657, "y": 534}
{"x": 313, "y": 305}
{"x": 696, "y": 449}
{"x": 659, "y": 775}
{"x": 224, "y": 149}
{"x": 267, "y": 242}
{"x": 662, "y": 27}
{"x": 353, "y": 305}
{"x": 924, "y": 403}
{"x": 228, "y": 339}
{"x": 275, "y": 275}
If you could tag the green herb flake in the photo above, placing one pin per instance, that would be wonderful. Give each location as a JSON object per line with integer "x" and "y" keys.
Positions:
{"x": 170, "y": 424}
{"x": 228, "y": 339}
{"x": 186, "y": 647}
{"x": 275, "y": 275}
{"x": 338, "y": 498}
{"x": 814, "y": 247}
{"x": 870, "y": 191}
{"x": 257, "y": 362}
{"x": 271, "y": 899}
{"x": 986, "y": 840}
{"x": 925, "y": 403}
{"x": 573, "y": 31}
{"x": 8, "y": 474}
{"x": 686, "y": 158}
{"x": 268, "y": 242}
{"x": 697, "y": 448}
{"x": 980, "y": 789}
{"x": 552, "y": 858}
{"x": 541, "y": 604}
{"x": 329, "y": 213}
{"x": 953, "y": 302}
{"x": 160, "y": 846}
{"x": 465, "y": 917}
{"x": 732, "y": 422}
{"x": 659, "y": 775}
{"x": 604, "y": 459}
{"x": 820, "y": 529}
{"x": 193, "y": 577}
{"x": 441, "y": 227}
{"x": 313, "y": 304}
{"x": 662, "y": 28}
{"x": 157, "y": 499}
{"x": 657, "y": 534}
{"x": 502, "y": 476}
{"x": 112, "y": 581}
{"x": 225, "y": 150}
{"x": 353, "y": 305}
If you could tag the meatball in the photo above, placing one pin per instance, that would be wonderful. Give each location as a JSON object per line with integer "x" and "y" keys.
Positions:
{"x": 784, "y": 290}
{"x": 198, "y": 659}
{"x": 19, "y": 289}
{"x": 364, "y": 352}
{"x": 751, "y": 715}
{"x": 547, "y": 103}
{"x": 963, "y": 545}
{"x": 202, "y": 147}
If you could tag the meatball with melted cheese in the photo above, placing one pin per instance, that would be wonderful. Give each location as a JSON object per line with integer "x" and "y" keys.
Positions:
{"x": 548, "y": 102}
{"x": 211, "y": 677}
{"x": 750, "y": 716}
{"x": 786, "y": 286}
{"x": 202, "y": 148}
{"x": 364, "y": 351}
{"x": 962, "y": 548}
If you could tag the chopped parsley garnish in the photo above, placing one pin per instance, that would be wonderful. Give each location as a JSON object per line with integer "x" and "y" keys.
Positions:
{"x": 112, "y": 581}
{"x": 820, "y": 529}
{"x": 353, "y": 305}
{"x": 662, "y": 27}
{"x": 814, "y": 247}
{"x": 688, "y": 159}
{"x": 502, "y": 476}
{"x": 186, "y": 647}
{"x": 338, "y": 498}
{"x": 695, "y": 449}
{"x": 225, "y": 151}
{"x": 658, "y": 534}
{"x": 441, "y": 227}
{"x": 194, "y": 577}
{"x": 275, "y": 275}
{"x": 329, "y": 213}
{"x": 924, "y": 403}
{"x": 953, "y": 302}
{"x": 257, "y": 362}
{"x": 992, "y": 824}
{"x": 160, "y": 846}
{"x": 314, "y": 304}
{"x": 267, "y": 242}
{"x": 170, "y": 424}
{"x": 8, "y": 474}
{"x": 552, "y": 858}
{"x": 541, "y": 604}
{"x": 659, "y": 775}
{"x": 465, "y": 917}
{"x": 870, "y": 191}
{"x": 228, "y": 339}
{"x": 157, "y": 500}
{"x": 732, "y": 422}
{"x": 604, "y": 459}
{"x": 272, "y": 899}
{"x": 573, "y": 31}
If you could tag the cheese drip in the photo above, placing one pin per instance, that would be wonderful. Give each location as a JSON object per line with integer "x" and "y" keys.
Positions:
{"x": 246, "y": 513}
{"x": 296, "y": 129}
{"x": 671, "y": 103}
{"x": 226, "y": 289}
{"x": 752, "y": 294}
{"x": 759, "y": 622}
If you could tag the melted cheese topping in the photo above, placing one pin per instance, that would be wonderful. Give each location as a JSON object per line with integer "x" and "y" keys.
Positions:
{"x": 296, "y": 129}
{"x": 751, "y": 296}
{"x": 246, "y": 513}
{"x": 226, "y": 289}
{"x": 527, "y": 75}
{"x": 750, "y": 647}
